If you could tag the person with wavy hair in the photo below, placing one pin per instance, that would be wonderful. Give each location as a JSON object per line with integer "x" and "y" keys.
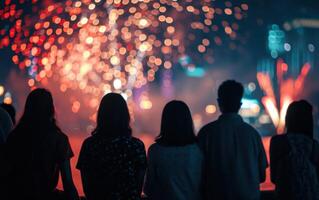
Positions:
{"x": 38, "y": 151}
{"x": 112, "y": 162}
{"x": 294, "y": 156}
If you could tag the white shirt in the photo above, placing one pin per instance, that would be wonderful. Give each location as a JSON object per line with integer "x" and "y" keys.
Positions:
{"x": 235, "y": 159}
{"x": 174, "y": 173}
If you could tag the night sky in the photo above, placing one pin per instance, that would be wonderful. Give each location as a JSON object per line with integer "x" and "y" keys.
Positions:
{"x": 251, "y": 45}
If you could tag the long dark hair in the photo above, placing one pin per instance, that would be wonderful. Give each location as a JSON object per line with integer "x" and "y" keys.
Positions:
{"x": 38, "y": 116}
{"x": 177, "y": 127}
{"x": 299, "y": 118}
{"x": 113, "y": 117}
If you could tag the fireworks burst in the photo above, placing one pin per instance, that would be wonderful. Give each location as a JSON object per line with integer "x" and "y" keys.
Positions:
{"x": 96, "y": 46}
{"x": 289, "y": 89}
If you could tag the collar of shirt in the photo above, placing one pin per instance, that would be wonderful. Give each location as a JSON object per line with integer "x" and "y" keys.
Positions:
{"x": 231, "y": 116}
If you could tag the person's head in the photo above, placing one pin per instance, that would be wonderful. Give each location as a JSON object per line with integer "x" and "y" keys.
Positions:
{"x": 113, "y": 117}
{"x": 299, "y": 118}
{"x": 177, "y": 127}
{"x": 230, "y": 93}
{"x": 11, "y": 111}
{"x": 38, "y": 111}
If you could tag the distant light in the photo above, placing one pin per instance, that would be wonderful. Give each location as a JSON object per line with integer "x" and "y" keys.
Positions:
{"x": 117, "y": 84}
{"x": 247, "y": 103}
{"x": 195, "y": 72}
{"x": 102, "y": 29}
{"x": 143, "y": 22}
{"x": 76, "y": 106}
{"x": 89, "y": 128}
{"x": 244, "y": 6}
{"x": 7, "y": 98}
{"x": 91, "y": 6}
{"x": 251, "y": 86}
{"x": 107, "y": 90}
{"x": 86, "y": 54}
{"x": 89, "y": 40}
{"x": 287, "y": 26}
{"x": 250, "y": 108}
{"x": 85, "y": 68}
{"x": 287, "y": 47}
{"x": 274, "y": 54}
{"x": 210, "y": 109}
{"x": 1, "y": 90}
{"x": 184, "y": 60}
{"x": 94, "y": 103}
{"x": 124, "y": 95}
{"x": 197, "y": 118}
{"x": 275, "y": 27}
{"x": 84, "y": 20}
{"x": 311, "y": 47}
{"x": 144, "y": 46}
{"x": 306, "y": 23}
{"x": 115, "y": 60}
{"x": 276, "y": 39}
{"x": 264, "y": 119}
{"x": 255, "y": 108}
{"x": 146, "y": 104}
{"x": 228, "y": 11}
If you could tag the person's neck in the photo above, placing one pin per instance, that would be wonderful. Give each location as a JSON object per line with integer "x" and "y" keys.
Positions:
{"x": 229, "y": 113}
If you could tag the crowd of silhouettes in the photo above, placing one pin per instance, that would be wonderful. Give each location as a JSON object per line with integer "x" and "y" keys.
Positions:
{"x": 226, "y": 160}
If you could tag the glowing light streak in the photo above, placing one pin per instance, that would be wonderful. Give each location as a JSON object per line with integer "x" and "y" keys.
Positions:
{"x": 289, "y": 90}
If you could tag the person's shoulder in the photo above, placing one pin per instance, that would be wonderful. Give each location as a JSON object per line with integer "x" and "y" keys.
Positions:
{"x": 153, "y": 147}
{"x": 212, "y": 124}
{"x": 89, "y": 140}
{"x": 250, "y": 129}
{"x": 137, "y": 141}
{"x": 59, "y": 135}
{"x": 208, "y": 127}
{"x": 278, "y": 138}
{"x": 193, "y": 147}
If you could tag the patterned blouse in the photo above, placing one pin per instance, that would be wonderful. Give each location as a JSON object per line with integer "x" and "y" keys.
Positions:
{"x": 111, "y": 168}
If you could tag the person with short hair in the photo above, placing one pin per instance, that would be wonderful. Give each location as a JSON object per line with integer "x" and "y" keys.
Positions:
{"x": 175, "y": 161}
{"x": 294, "y": 156}
{"x": 235, "y": 159}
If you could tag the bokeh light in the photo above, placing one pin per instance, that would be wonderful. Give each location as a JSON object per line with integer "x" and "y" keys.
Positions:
{"x": 96, "y": 47}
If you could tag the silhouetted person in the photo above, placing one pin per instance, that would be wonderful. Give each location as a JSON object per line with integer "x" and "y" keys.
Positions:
{"x": 5, "y": 128}
{"x": 175, "y": 161}
{"x": 235, "y": 159}
{"x": 5, "y": 125}
{"x": 10, "y": 110}
{"x": 111, "y": 161}
{"x": 294, "y": 157}
{"x": 38, "y": 151}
